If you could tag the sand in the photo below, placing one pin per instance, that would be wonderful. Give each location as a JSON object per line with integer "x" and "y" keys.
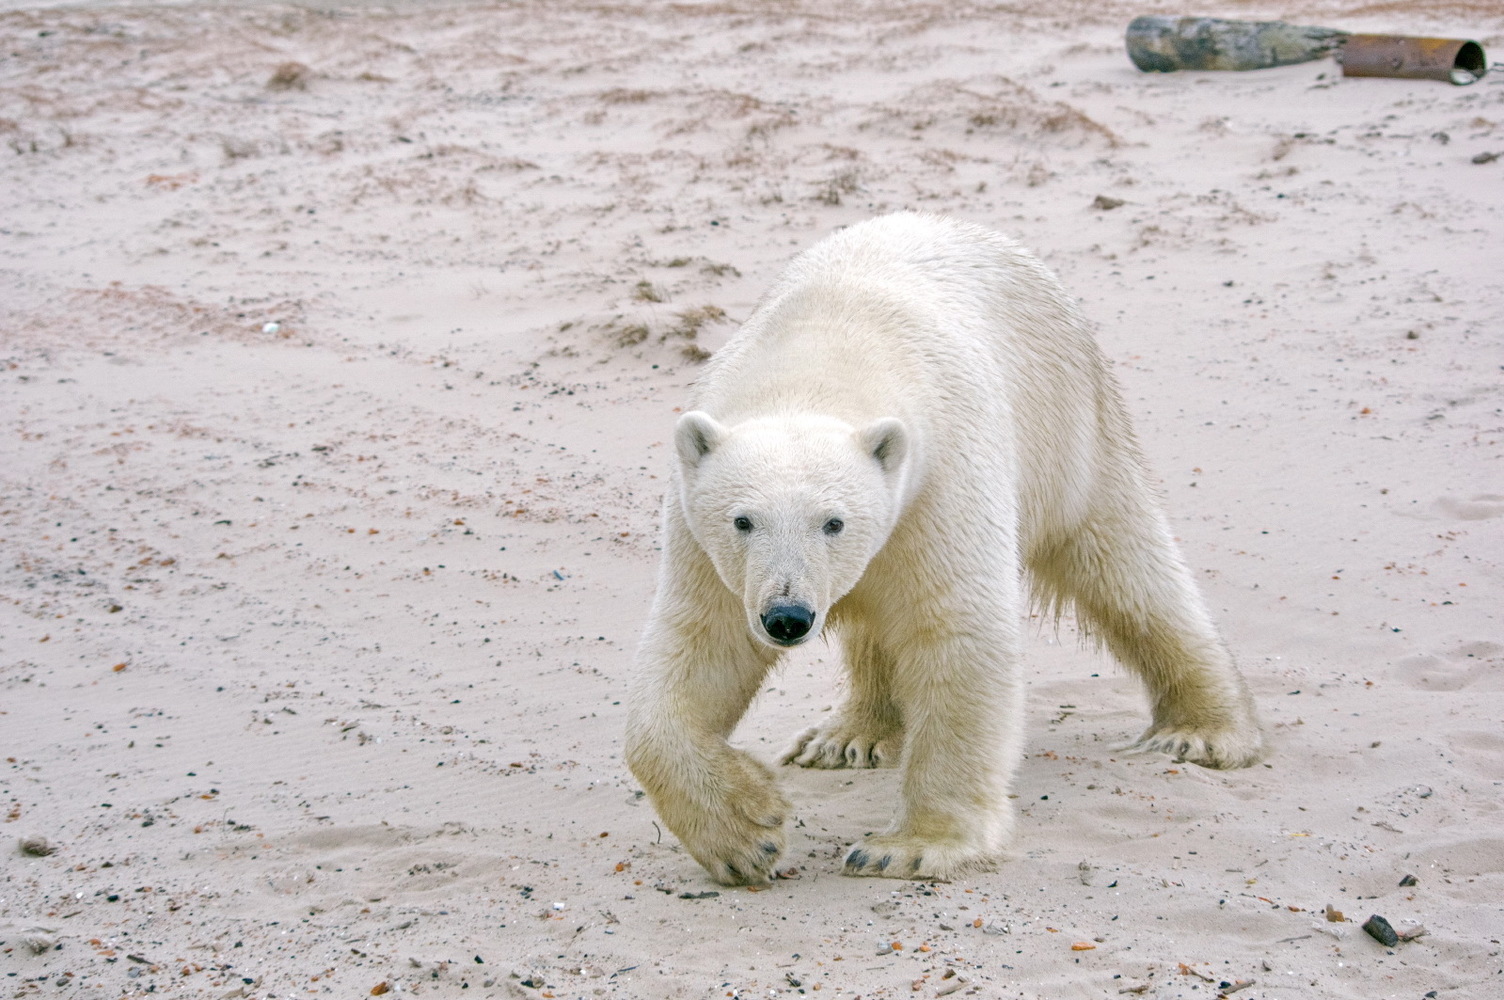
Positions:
{"x": 333, "y": 409}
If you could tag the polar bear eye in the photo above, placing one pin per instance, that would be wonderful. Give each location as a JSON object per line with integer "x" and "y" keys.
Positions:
{"x": 743, "y": 524}
{"x": 834, "y": 526}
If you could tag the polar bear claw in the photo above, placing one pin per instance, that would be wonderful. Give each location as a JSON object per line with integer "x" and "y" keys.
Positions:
{"x": 838, "y": 744}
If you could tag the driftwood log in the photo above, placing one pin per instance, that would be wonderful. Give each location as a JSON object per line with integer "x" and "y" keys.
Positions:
{"x": 1166, "y": 44}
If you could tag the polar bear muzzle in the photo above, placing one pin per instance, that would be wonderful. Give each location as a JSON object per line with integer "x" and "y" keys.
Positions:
{"x": 788, "y": 624}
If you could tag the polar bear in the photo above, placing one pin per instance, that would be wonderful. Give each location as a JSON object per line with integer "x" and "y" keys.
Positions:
{"x": 912, "y": 424}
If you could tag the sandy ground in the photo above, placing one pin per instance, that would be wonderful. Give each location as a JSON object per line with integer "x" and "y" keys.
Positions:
{"x": 332, "y": 422}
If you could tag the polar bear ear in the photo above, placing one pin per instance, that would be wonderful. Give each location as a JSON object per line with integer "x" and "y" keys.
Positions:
{"x": 886, "y": 440}
{"x": 697, "y": 435}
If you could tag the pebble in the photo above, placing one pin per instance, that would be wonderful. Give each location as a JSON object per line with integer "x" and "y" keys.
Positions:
{"x": 1378, "y": 928}
{"x": 37, "y": 846}
{"x": 39, "y": 939}
{"x": 289, "y": 76}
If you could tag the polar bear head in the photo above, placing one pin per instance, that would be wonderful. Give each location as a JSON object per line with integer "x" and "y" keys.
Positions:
{"x": 791, "y": 509}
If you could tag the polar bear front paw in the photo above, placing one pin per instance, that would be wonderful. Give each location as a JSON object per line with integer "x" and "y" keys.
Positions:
{"x": 837, "y": 744}
{"x": 897, "y": 856}
{"x": 736, "y": 831}
{"x": 1224, "y": 749}
{"x": 736, "y": 850}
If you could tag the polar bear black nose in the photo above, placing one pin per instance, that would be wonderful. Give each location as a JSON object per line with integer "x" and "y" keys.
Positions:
{"x": 788, "y": 623}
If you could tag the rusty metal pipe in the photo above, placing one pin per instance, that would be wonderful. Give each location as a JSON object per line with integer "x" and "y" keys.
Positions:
{"x": 1454, "y": 60}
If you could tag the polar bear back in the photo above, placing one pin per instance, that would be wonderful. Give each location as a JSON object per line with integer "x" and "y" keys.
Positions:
{"x": 998, "y": 380}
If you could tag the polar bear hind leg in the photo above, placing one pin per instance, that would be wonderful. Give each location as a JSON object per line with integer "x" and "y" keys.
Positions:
{"x": 867, "y": 730}
{"x": 1130, "y": 589}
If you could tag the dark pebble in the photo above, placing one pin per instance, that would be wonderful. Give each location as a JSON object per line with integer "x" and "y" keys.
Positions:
{"x": 1409, "y": 880}
{"x": 1378, "y": 928}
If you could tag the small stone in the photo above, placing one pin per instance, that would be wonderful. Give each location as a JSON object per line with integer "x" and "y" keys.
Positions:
{"x": 37, "y": 846}
{"x": 1486, "y": 157}
{"x": 1104, "y": 203}
{"x": 1409, "y": 880}
{"x": 1378, "y": 928}
{"x": 38, "y": 940}
{"x": 289, "y": 76}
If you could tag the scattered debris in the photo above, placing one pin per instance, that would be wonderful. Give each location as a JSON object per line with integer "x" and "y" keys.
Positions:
{"x": 1334, "y": 916}
{"x": 952, "y": 985}
{"x": 698, "y": 895}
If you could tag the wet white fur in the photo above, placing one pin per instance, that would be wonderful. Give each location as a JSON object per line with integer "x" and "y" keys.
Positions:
{"x": 929, "y": 384}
